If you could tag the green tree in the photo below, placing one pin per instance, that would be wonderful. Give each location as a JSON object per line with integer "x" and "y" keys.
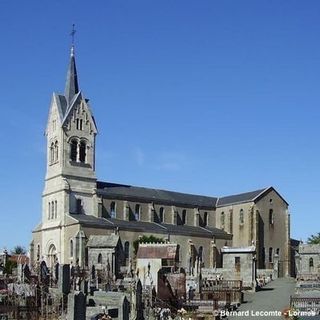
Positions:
{"x": 10, "y": 265}
{"x": 146, "y": 239}
{"x": 18, "y": 250}
{"x": 314, "y": 239}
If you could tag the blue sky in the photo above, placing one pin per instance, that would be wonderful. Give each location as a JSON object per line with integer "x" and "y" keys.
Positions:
{"x": 207, "y": 97}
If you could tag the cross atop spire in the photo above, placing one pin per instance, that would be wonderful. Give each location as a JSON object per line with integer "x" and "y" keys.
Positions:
{"x": 72, "y": 86}
{"x": 73, "y": 32}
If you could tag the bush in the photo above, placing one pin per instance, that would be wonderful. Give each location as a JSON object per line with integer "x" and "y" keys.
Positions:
{"x": 145, "y": 239}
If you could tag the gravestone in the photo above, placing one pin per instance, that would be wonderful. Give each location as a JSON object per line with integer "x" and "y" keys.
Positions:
{"x": 76, "y": 306}
{"x": 64, "y": 278}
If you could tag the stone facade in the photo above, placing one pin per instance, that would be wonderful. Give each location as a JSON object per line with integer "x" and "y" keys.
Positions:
{"x": 263, "y": 222}
{"x": 77, "y": 207}
{"x": 240, "y": 263}
{"x": 308, "y": 260}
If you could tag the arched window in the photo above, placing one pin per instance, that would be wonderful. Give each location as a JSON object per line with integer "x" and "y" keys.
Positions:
{"x": 137, "y": 212}
{"x": 278, "y": 251}
{"x": 161, "y": 214}
{"x": 56, "y": 151}
{"x": 311, "y": 265}
{"x": 38, "y": 252}
{"x": 270, "y": 255}
{"x": 271, "y": 216}
{"x": 79, "y": 206}
{"x": 52, "y": 209}
{"x": 126, "y": 249}
{"x": 100, "y": 258}
{"x": 222, "y": 220}
{"x": 73, "y": 150}
{"x": 82, "y": 156}
{"x": 56, "y": 209}
{"x": 79, "y": 123}
{"x": 241, "y": 216}
{"x": 200, "y": 252}
{"x": 71, "y": 248}
{"x": 184, "y": 217}
{"x": 49, "y": 210}
{"x": 311, "y": 262}
{"x": 112, "y": 209}
{"x": 205, "y": 219}
{"x": 52, "y": 153}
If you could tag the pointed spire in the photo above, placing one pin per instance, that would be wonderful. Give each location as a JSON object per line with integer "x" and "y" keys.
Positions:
{"x": 72, "y": 86}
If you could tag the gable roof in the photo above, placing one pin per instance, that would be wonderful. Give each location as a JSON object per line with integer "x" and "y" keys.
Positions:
{"x": 71, "y": 105}
{"x": 128, "y": 192}
{"x": 239, "y": 198}
{"x": 103, "y": 241}
{"x": 61, "y": 104}
{"x": 252, "y": 196}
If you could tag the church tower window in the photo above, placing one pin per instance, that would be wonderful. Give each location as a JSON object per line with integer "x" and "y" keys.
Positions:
{"x": 79, "y": 124}
{"x": 82, "y": 157}
{"x": 52, "y": 153}
{"x": 52, "y": 209}
{"x": 73, "y": 150}
{"x": 56, "y": 151}
{"x": 56, "y": 209}
{"x": 49, "y": 210}
{"x": 100, "y": 258}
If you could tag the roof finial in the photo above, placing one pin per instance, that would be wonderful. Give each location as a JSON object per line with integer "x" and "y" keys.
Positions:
{"x": 73, "y": 32}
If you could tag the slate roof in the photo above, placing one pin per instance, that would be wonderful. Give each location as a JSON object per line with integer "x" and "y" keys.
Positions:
{"x": 92, "y": 221}
{"x": 150, "y": 227}
{"x": 309, "y": 248}
{"x": 240, "y": 198}
{"x": 62, "y": 104}
{"x": 72, "y": 86}
{"x": 103, "y": 241}
{"x": 133, "y": 193}
{"x": 127, "y": 192}
{"x": 252, "y": 196}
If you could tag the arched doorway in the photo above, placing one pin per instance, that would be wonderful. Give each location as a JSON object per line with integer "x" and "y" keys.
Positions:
{"x": 52, "y": 256}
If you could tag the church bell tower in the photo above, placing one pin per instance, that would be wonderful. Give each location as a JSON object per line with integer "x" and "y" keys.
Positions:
{"x": 70, "y": 181}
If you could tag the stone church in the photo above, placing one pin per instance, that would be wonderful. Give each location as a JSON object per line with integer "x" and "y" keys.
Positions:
{"x": 76, "y": 207}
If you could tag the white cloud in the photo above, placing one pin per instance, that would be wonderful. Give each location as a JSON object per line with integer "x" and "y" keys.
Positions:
{"x": 170, "y": 161}
{"x": 139, "y": 156}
